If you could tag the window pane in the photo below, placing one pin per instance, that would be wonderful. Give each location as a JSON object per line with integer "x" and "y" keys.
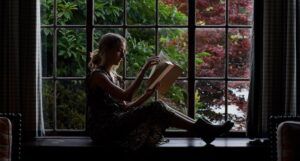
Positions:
{"x": 48, "y": 103}
{"x": 71, "y": 52}
{"x": 173, "y": 12}
{"x": 240, "y": 12}
{"x": 108, "y": 12}
{"x": 210, "y": 52}
{"x": 238, "y": 92}
{"x": 176, "y": 97}
{"x": 140, "y": 12}
{"x": 141, "y": 45}
{"x": 209, "y": 100}
{"x": 47, "y": 12}
{"x": 47, "y": 52}
{"x": 71, "y": 104}
{"x": 174, "y": 41}
{"x": 210, "y": 12}
{"x": 72, "y": 12}
{"x": 239, "y": 48}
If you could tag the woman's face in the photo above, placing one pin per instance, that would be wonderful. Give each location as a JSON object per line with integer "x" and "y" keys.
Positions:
{"x": 117, "y": 55}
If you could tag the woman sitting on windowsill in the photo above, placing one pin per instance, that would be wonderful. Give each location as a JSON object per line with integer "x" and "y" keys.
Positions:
{"x": 115, "y": 119}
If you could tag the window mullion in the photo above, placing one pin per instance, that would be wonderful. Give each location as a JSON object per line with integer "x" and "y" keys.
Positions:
{"x": 124, "y": 34}
{"x": 89, "y": 40}
{"x": 55, "y": 63}
{"x": 191, "y": 58}
{"x": 156, "y": 36}
{"x": 226, "y": 60}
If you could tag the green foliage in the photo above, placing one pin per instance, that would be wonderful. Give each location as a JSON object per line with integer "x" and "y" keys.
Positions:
{"x": 167, "y": 17}
{"x": 71, "y": 100}
{"x": 71, "y": 53}
{"x": 108, "y": 11}
{"x": 139, "y": 50}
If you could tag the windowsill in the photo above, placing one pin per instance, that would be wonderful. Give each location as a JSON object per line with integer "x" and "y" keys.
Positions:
{"x": 177, "y": 149}
{"x": 175, "y": 142}
{"x": 169, "y": 133}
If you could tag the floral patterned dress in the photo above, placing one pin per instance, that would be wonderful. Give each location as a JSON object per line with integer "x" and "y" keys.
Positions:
{"x": 109, "y": 124}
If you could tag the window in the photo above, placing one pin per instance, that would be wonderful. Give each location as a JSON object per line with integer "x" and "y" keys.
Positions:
{"x": 210, "y": 39}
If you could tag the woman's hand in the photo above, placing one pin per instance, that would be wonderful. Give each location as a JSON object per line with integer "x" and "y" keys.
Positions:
{"x": 140, "y": 100}
{"x": 149, "y": 92}
{"x": 151, "y": 61}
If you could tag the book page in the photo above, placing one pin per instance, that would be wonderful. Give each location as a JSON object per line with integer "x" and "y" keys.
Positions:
{"x": 165, "y": 72}
{"x": 162, "y": 74}
{"x": 162, "y": 58}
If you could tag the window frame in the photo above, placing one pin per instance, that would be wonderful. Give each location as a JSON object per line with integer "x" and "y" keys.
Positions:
{"x": 191, "y": 77}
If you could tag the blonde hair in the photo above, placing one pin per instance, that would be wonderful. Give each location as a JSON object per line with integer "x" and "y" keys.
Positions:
{"x": 107, "y": 43}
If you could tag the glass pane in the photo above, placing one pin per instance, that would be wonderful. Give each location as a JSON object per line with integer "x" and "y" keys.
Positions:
{"x": 209, "y": 100}
{"x": 71, "y": 104}
{"x": 140, "y": 46}
{"x": 240, "y": 12}
{"x": 174, "y": 41}
{"x": 47, "y": 52}
{"x": 173, "y": 12}
{"x": 48, "y": 103}
{"x": 239, "y": 50}
{"x": 71, "y": 52}
{"x": 210, "y": 52}
{"x": 238, "y": 92}
{"x": 140, "y": 91}
{"x": 47, "y": 12}
{"x": 108, "y": 12}
{"x": 210, "y": 12}
{"x": 176, "y": 97}
{"x": 71, "y": 12}
{"x": 140, "y": 12}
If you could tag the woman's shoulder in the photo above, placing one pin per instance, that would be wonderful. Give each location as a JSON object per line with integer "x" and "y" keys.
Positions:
{"x": 95, "y": 75}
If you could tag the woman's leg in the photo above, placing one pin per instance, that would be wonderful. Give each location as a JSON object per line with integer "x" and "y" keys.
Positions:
{"x": 179, "y": 113}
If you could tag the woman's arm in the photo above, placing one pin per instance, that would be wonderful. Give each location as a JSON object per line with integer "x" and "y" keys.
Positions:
{"x": 140, "y": 100}
{"x": 102, "y": 81}
{"x": 137, "y": 82}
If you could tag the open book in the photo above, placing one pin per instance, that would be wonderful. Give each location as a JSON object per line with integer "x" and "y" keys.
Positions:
{"x": 165, "y": 73}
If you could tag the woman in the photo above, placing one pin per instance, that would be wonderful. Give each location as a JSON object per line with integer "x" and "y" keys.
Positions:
{"x": 115, "y": 119}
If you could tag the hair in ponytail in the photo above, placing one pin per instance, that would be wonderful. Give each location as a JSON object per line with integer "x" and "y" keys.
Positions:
{"x": 108, "y": 42}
